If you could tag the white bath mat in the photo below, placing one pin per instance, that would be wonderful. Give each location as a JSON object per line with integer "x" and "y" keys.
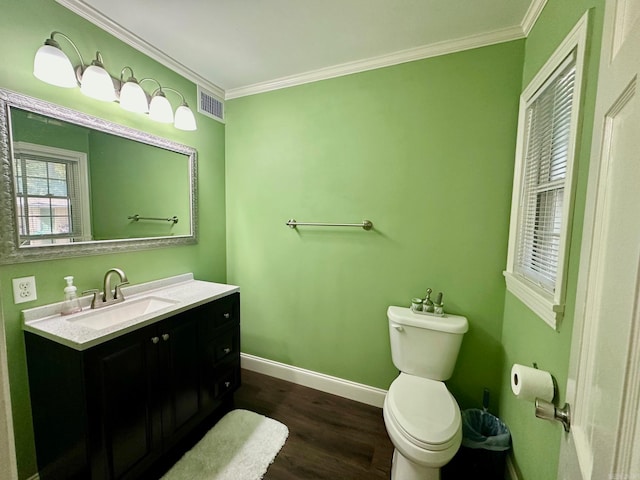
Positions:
{"x": 241, "y": 446}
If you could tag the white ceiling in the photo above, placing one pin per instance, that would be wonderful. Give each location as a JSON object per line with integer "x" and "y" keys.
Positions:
{"x": 239, "y": 44}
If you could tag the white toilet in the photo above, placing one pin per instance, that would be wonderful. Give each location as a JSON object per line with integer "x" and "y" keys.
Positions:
{"x": 421, "y": 416}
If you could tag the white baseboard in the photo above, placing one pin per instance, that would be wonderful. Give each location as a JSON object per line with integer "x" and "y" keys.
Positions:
{"x": 511, "y": 473}
{"x": 319, "y": 381}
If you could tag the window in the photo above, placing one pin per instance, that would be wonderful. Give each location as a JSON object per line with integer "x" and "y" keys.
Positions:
{"x": 51, "y": 195}
{"x": 542, "y": 191}
{"x": 548, "y": 120}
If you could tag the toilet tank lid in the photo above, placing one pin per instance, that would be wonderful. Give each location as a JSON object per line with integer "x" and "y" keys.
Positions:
{"x": 447, "y": 323}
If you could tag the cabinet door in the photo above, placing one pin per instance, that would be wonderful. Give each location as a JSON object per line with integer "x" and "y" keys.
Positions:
{"x": 179, "y": 375}
{"x": 124, "y": 413}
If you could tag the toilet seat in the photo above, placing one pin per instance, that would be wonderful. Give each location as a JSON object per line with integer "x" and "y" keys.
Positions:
{"x": 424, "y": 411}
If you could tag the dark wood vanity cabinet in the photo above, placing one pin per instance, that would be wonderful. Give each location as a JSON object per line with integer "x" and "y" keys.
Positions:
{"x": 112, "y": 411}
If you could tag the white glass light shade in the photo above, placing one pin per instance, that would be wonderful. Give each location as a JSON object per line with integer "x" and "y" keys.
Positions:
{"x": 51, "y": 65}
{"x": 133, "y": 98}
{"x": 160, "y": 109}
{"x": 184, "y": 118}
{"x": 97, "y": 83}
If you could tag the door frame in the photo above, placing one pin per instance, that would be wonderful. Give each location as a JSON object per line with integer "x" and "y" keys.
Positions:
{"x": 7, "y": 440}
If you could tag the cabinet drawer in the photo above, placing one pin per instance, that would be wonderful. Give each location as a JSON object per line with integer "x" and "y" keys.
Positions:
{"x": 222, "y": 348}
{"x": 218, "y": 314}
{"x": 228, "y": 379}
{"x": 226, "y": 344}
{"x": 219, "y": 381}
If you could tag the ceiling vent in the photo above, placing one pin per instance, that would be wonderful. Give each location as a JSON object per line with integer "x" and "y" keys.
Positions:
{"x": 210, "y": 104}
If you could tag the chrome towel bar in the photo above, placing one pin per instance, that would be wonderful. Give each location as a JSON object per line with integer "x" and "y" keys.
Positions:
{"x": 366, "y": 224}
{"x": 137, "y": 217}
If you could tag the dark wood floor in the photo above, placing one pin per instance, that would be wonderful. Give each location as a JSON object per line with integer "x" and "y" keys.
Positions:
{"x": 330, "y": 437}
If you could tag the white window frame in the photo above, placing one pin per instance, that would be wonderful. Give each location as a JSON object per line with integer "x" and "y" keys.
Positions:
{"x": 79, "y": 159}
{"x": 549, "y": 306}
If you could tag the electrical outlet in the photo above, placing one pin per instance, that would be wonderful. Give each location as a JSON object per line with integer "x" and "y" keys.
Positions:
{"x": 24, "y": 289}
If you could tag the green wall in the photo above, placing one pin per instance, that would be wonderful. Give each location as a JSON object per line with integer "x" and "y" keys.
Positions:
{"x": 118, "y": 166}
{"x": 525, "y": 337}
{"x": 24, "y": 26}
{"x": 58, "y": 134}
{"x": 425, "y": 151}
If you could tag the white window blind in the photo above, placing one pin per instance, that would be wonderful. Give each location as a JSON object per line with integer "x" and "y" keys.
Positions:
{"x": 548, "y": 130}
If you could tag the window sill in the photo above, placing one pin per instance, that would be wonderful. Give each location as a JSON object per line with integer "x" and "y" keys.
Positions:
{"x": 534, "y": 298}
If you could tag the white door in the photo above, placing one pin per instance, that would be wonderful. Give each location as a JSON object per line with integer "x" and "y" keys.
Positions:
{"x": 604, "y": 377}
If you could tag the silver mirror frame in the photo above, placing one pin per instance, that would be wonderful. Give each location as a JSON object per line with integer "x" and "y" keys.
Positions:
{"x": 10, "y": 252}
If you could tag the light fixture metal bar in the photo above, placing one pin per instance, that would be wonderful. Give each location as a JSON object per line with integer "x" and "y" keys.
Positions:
{"x": 55, "y": 32}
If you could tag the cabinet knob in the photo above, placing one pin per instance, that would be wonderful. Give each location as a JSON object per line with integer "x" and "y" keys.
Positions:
{"x": 227, "y": 384}
{"x": 155, "y": 339}
{"x": 165, "y": 336}
{"x": 227, "y": 315}
{"x": 226, "y": 350}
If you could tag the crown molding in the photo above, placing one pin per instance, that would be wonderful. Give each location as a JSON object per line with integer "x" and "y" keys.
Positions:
{"x": 92, "y": 15}
{"x": 418, "y": 53}
{"x": 403, "y": 56}
{"x": 530, "y": 18}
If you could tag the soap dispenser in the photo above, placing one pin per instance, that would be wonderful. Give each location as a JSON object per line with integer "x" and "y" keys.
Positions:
{"x": 71, "y": 303}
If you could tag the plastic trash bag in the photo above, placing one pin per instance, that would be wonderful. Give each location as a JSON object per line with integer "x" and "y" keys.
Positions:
{"x": 480, "y": 429}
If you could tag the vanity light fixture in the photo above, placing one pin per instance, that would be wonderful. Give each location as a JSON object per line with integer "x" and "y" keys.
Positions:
{"x": 160, "y": 109}
{"x": 132, "y": 96}
{"x": 96, "y": 81}
{"x": 52, "y": 65}
{"x": 184, "y": 119}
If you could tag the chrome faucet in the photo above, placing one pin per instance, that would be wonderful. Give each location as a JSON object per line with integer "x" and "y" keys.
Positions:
{"x": 117, "y": 293}
{"x": 109, "y": 297}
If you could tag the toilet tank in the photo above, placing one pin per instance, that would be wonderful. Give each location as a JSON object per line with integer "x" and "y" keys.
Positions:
{"x": 424, "y": 345}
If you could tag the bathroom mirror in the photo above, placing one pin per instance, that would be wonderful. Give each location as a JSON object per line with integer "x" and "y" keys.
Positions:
{"x": 73, "y": 184}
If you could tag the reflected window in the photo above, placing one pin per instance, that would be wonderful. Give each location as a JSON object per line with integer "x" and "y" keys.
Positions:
{"x": 52, "y": 195}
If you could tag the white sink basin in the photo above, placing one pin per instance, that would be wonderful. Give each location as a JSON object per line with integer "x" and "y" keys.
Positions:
{"x": 120, "y": 313}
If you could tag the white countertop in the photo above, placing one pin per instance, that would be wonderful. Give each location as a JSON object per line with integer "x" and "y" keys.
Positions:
{"x": 186, "y": 292}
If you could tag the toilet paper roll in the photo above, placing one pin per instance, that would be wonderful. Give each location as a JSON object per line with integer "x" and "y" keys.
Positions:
{"x": 530, "y": 383}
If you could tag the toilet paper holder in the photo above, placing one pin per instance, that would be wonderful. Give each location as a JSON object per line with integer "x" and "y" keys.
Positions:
{"x": 546, "y": 409}
{"x": 549, "y": 411}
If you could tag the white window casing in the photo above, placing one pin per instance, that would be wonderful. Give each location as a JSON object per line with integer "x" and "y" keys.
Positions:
{"x": 543, "y": 185}
{"x": 77, "y": 185}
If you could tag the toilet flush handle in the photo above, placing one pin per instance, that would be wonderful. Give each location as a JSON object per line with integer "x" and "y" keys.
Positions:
{"x": 397, "y": 327}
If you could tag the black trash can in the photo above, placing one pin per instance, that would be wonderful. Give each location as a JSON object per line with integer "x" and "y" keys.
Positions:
{"x": 485, "y": 443}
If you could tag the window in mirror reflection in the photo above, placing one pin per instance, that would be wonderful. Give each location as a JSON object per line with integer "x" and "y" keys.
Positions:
{"x": 52, "y": 195}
